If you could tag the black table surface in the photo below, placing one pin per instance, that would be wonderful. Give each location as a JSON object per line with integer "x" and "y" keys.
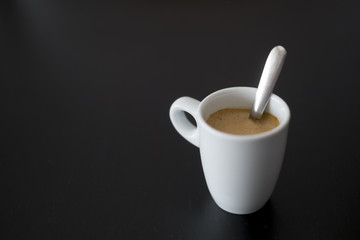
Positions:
{"x": 88, "y": 150}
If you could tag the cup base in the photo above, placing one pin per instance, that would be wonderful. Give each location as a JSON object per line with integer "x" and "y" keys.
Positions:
{"x": 238, "y": 210}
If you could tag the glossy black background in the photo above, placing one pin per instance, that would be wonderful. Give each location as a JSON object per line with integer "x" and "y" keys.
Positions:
{"x": 88, "y": 150}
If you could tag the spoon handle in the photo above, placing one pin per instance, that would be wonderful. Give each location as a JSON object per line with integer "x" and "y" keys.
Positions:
{"x": 268, "y": 80}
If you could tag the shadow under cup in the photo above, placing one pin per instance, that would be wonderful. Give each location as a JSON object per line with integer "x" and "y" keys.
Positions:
{"x": 241, "y": 171}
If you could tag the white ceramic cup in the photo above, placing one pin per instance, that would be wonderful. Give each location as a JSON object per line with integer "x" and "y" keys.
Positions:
{"x": 241, "y": 171}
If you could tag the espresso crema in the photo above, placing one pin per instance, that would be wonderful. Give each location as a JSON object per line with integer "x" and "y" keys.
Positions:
{"x": 237, "y": 121}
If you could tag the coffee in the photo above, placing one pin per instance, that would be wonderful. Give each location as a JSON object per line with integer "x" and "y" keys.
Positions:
{"x": 237, "y": 121}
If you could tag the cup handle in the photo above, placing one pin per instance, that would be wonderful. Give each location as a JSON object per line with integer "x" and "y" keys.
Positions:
{"x": 181, "y": 123}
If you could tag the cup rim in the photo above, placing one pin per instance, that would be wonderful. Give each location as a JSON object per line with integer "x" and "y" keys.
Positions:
{"x": 283, "y": 124}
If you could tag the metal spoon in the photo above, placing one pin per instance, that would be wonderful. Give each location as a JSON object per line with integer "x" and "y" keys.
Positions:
{"x": 268, "y": 80}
